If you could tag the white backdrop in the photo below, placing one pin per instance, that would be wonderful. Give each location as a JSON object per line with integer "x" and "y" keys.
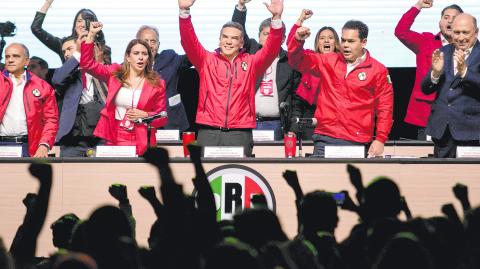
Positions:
{"x": 122, "y": 18}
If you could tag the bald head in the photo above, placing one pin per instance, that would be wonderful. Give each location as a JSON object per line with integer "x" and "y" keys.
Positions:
{"x": 465, "y": 31}
{"x": 16, "y": 58}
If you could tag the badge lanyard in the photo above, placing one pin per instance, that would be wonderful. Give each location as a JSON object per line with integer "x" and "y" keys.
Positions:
{"x": 266, "y": 85}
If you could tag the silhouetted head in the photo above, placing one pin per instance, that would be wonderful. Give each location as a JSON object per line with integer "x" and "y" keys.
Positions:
{"x": 382, "y": 199}
{"x": 258, "y": 226}
{"x": 232, "y": 254}
{"x": 472, "y": 228}
{"x": 105, "y": 227}
{"x": 318, "y": 212}
{"x": 62, "y": 230}
{"x": 75, "y": 261}
{"x": 404, "y": 251}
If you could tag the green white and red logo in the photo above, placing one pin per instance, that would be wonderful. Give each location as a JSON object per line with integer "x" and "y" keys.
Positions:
{"x": 234, "y": 186}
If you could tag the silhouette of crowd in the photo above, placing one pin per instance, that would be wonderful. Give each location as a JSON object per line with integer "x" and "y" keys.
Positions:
{"x": 186, "y": 233}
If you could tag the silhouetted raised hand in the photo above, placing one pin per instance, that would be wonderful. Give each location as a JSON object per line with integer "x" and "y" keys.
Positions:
{"x": 291, "y": 178}
{"x": 148, "y": 192}
{"x": 25, "y": 241}
{"x": 119, "y": 192}
{"x": 461, "y": 193}
{"x": 357, "y": 181}
{"x": 348, "y": 203}
{"x": 451, "y": 214}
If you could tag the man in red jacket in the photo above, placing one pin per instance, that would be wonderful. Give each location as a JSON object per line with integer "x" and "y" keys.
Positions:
{"x": 356, "y": 90}
{"x": 226, "y": 101}
{"x": 28, "y": 109}
{"x": 423, "y": 45}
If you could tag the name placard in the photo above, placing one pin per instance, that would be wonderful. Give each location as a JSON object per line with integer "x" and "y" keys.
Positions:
{"x": 10, "y": 151}
{"x": 263, "y": 135}
{"x": 168, "y": 135}
{"x": 223, "y": 152}
{"x": 344, "y": 151}
{"x": 115, "y": 151}
{"x": 468, "y": 152}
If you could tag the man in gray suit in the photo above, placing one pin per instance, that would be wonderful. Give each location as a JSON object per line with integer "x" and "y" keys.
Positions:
{"x": 455, "y": 76}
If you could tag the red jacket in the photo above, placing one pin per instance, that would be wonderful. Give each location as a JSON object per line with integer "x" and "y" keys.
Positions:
{"x": 347, "y": 107}
{"x": 41, "y": 111}
{"x": 152, "y": 100}
{"x": 423, "y": 45}
{"x": 227, "y": 90}
{"x": 308, "y": 83}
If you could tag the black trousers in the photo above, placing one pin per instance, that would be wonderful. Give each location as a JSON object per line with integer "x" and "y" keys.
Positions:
{"x": 232, "y": 137}
{"x": 446, "y": 147}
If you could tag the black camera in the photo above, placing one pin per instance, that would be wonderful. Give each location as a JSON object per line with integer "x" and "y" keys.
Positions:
{"x": 7, "y": 29}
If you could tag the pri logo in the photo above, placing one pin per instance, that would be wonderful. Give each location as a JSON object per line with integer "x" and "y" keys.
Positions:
{"x": 234, "y": 186}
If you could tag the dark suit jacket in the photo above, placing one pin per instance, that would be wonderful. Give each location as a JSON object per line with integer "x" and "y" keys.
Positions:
{"x": 287, "y": 79}
{"x": 169, "y": 65}
{"x": 67, "y": 78}
{"x": 458, "y": 101}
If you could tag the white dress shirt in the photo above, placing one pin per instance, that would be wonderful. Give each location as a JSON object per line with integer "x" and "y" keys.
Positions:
{"x": 14, "y": 122}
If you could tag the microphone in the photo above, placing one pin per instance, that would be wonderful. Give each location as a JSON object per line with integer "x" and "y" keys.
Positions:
{"x": 149, "y": 119}
{"x": 305, "y": 121}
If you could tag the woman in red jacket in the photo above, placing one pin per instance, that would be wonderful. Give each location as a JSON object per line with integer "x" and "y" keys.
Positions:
{"x": 135, "y": 91}
{"x": 304, "y": 103}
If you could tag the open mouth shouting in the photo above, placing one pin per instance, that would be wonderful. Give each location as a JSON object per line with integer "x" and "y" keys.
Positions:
{"x": 327, "y": 47}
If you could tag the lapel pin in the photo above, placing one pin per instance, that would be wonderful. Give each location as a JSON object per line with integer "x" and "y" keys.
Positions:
{"x": 36, "y": 92}
{"x": 244, "y": 66}
{"x": 362, "y": 76}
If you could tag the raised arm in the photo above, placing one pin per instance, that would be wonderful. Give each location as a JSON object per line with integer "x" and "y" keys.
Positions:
{"x": 64, "y": 74}
{"x": 300, "y": 59}
{"x": 148, "y": 193}
{"x": 87, "y": 59}
{"x": 264, "y": 57}
{"x": 119, "y": 192}
{"x": 52, "y": 42}
{"x": 240, "y": 16}
{"x": 191, "y": 45}
{"x": 403, "y": 32}
{"x": 23, "y": 249}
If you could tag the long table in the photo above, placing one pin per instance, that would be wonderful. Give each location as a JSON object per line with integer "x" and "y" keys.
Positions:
{"x": 275, "y": 149}
{"x": 81, "y": 185}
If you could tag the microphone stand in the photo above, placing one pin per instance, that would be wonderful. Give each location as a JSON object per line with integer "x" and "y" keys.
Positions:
{"x": 300, "y": 140}
{"x": 148, "y": 121}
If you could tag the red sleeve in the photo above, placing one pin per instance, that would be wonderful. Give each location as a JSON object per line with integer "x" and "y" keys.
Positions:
{"x": 291, "y": 34}
{"x": 50, "y": 118}
{"x": 190, "y": 43}
{"x": 384, "y": 105}
{"x": 265, "y": 56}
{"x": 88, "y": 63}
{"x": 409, "y": 38}
{"x": 302, "y": 60}
{"x": 160, "y": 104}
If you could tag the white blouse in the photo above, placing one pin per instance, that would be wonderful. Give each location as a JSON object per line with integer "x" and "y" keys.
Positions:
{"x": 126, "y": 98}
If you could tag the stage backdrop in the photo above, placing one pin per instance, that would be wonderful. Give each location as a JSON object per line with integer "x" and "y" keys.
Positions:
{"x": 122, "y": 18}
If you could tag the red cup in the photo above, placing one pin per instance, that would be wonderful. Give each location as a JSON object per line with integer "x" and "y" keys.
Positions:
{"x": 187, "y": 138}
{"x": 290, "y": 145}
